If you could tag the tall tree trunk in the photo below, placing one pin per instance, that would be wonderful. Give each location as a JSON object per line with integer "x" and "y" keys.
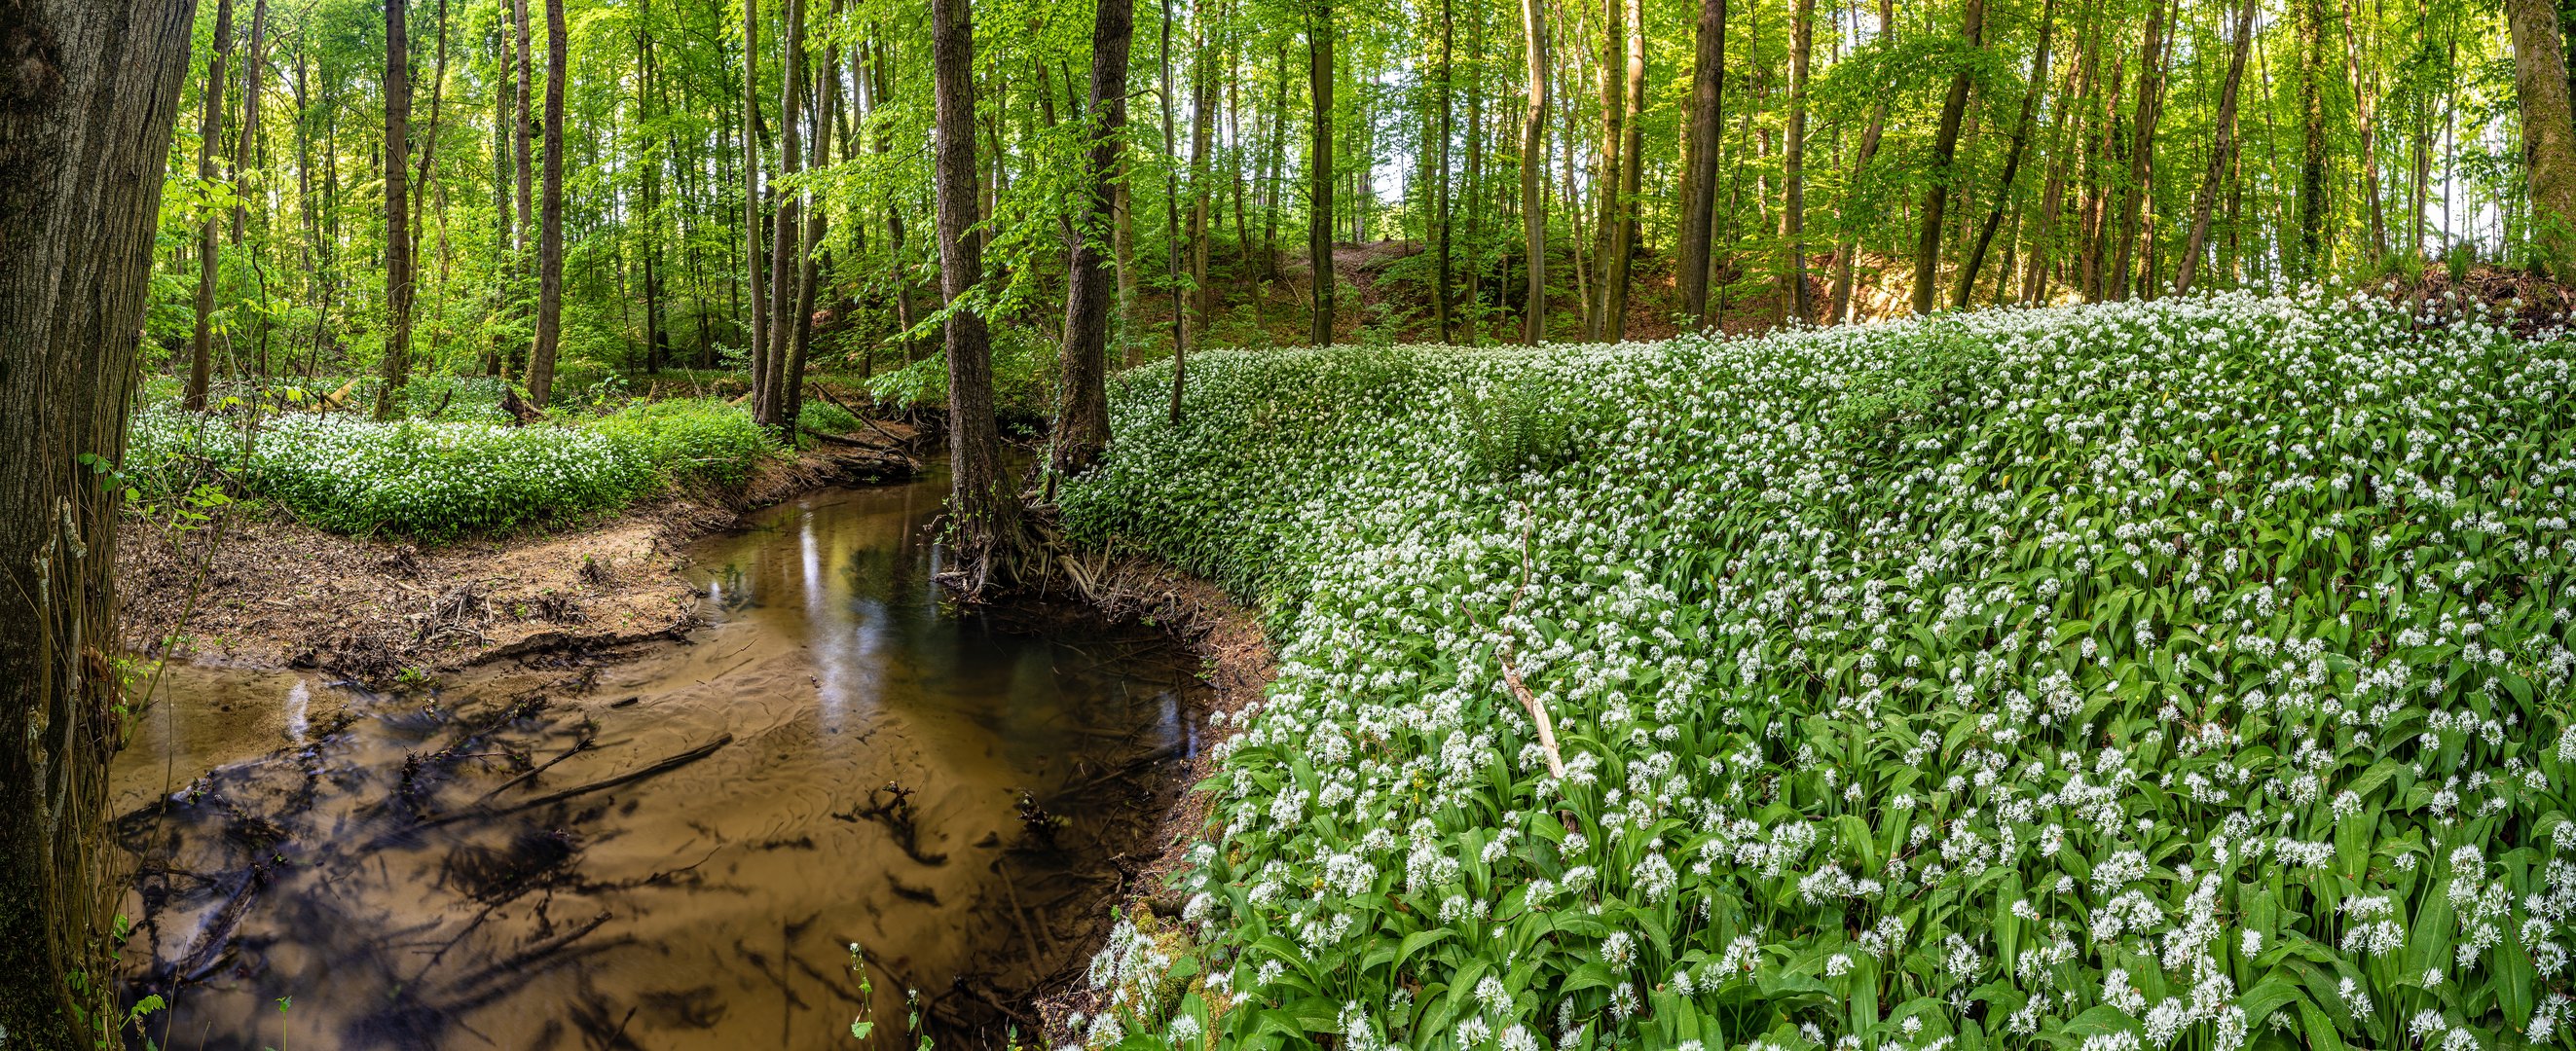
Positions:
{"x": 1622, "y": 217}
{"x": 1172, "y": 219}
{"x": 244, "y": 148}
{"x": 1277, "y": 166}
{"x": 1474, "y": 292}
{"x": 754, "y": 263}
{"x": 93, "y": 93}
{"x": 652, "y": 217}
{"x": 1439, "y": 153}
{"x": 2549, "y": 142}
{"x": 1319, "y": 170}
{"x": 1699, "y": 186}
{"x": 1927, "y": 248}
{"x": 2052, "y": 196}
{"x": 524, "y": 142}
{"x": 1202, "y": 179}
{"x": 541, "y": 363}
{"x": 2369, "y": 128}
{"x": 1847, "y": 244}
{"x": 1793, "y": 179}
{"x": 2038, "y": 84}
{"x": 396, "y": 365}
{"x": 1534, "y": 173}
{"x": 1607, "y": 162}
{"x": 422, "y": 169}
{"x": 983, "y": 512}
{"x": 1081, "y": 430}
{"x": 2312, "y": 157}
{"x": 2142, "y": 149}
{"x": 201, "y": 359}
{"x": 2221, "y": 153}
{"x": 784, "y": 240}
{"x": 504, "y": 101}
{"x": 819, "y": 114}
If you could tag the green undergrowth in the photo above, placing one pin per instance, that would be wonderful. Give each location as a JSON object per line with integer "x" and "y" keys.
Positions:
{"x": 437, "y": 480}
{"x": 2179, "y": 674}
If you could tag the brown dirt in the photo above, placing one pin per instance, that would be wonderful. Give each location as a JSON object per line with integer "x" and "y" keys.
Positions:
{"x": 279, "y": 593}
{"x": 1241, "y": 664}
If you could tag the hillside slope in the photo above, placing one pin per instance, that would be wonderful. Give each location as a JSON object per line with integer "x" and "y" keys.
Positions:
{"x": 2097, "y": 676}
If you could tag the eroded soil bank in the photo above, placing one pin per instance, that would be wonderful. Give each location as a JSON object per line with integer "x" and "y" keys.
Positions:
{"x": 673, "y": 842}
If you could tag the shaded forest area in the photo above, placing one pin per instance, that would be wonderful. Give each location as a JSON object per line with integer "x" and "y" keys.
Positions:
{"x": 596, "y": 192}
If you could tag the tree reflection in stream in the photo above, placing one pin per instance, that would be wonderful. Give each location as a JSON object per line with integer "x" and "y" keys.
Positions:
{"x": 666, "y": 846}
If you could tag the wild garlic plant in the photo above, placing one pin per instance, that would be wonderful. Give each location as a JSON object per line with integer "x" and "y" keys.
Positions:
{"x": 2188, "y": 674}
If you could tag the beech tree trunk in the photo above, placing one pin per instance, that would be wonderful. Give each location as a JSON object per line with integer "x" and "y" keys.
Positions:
{"x": 1439, "y": 153}
{"x": 1534, "y": 173}
{"x": 1838, "y": 304}
{"x": 983, "y": 512}
{"x": 1319, "y": 171}
{"x": 2221, "y": 153}
{"x": 827, "y": 95}
{"x": 1608, "y": 160}
{"x": 770, "y": 401}
{"x": 93, "y": 93}
{"x": 1927, "y": 248}
{"x": 2549, "y": 142}
{"x": 395, "y": 368}
{"x": 1632, "y": 162}
{"x": 201, "y": 360}
{"x": 1793, "y": 179}
{"x": 753, "y": 263}
{"x": 1699, "y": 184}
{"x": 541, "y": 362}
{"x": 2312, "y": 157}
{"x": 2142, "y": 150}
{"x": 2038, "y": 84}
{"x": 1082, "y": 409}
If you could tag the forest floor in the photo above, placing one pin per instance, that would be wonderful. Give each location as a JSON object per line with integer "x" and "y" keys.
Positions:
{"x": 265, "y": 590}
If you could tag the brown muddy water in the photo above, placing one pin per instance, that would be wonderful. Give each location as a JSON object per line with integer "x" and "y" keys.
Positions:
{"x": 666, "y": 846}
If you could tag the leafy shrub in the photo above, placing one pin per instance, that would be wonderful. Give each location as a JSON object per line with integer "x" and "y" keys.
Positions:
{"x": 2191, "y": 673}
{"x": 819, "y": 415}
{"x": 691, "y": 440}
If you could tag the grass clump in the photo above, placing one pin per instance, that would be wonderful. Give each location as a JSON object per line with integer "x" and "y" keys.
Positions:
{"x": 2180, "y": 674}
{"x": 438, "y": 481}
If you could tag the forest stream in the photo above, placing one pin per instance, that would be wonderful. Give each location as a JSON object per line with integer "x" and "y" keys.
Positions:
{"x": 671, "y": 845}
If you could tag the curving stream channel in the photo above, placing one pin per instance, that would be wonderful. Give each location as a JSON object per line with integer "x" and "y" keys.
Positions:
{"x": 671, "y": 845}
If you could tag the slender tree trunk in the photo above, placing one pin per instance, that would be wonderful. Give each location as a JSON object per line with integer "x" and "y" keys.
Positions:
{"x": 1274, "y": 191}
{"x": 1838, "y": 304}
{"x": 2221, "y": 154}
{"x": 1607, "y": 163}
{"x": 2312, "y": 159}
{"x": 1474, "y": 292}
{"x": 2142, "y": 149}
{"x": 2369, "y": 129}
{"x": 524, "y": 143}
{"x": 1439, "y": 153}
{"x": 244, "y": 149}
{"x": 1319, "y": 170}
{"x": 1202, "y": 179}
{"x": 2012, "y": 159}
{"x": 201, "y": 359}
{"x": 826, "y": 99}
{"x": 1699, "y": 186}
{"x": 2043, "y": 241}
{"x": 428, "y": 144}
{"x": 784, "y": 239}
{"x": 541, "y": 363}
{"x": 1081, "y": 430}
{"x": 2549, "y": 142}
{"x": 1534, "y": 173}
{"x": 396, "y": 365}
{"x": 652, "y": 217}
{"x": 1632, "y": 164}
{"x": 1927, "y": 248}
{"x": 983, "y": 512}
{"x": 1793, "y": 179}
{"x": 754, "y": 263}
{"x": 1172, "y": 219}
{"x": 504, "y": 99}
{"x": 93, "y": 93}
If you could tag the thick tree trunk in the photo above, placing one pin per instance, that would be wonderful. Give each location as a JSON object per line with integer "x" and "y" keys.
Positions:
{"x": 2221, "y": 153}
{"x": 1534, "y": 173}
{"x": 1319, "y": 171}
{"x": 1838, "y": 304}
{"x": 2038, "y": 84}
{"x": 983, "y": 512}
{"x": 93, "y": 92}
{"x": 201, "y": 359}
{"x": 1082, "y": 409}
{"x": 1793, "y": 178}
{"x": 1699, "y": 185}
{"x": 1927, "y": 247}
{"x": 395, "y": 367}
{"x": 2549, "y": 142}
{"x": 2312, "y": 156}
{"x": 541, "y": 363}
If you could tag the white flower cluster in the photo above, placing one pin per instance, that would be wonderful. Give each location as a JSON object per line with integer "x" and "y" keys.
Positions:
{"x": 2111, "y": 677}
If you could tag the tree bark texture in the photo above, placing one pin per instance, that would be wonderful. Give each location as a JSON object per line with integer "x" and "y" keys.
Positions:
{"x": 1082, "y": 409}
